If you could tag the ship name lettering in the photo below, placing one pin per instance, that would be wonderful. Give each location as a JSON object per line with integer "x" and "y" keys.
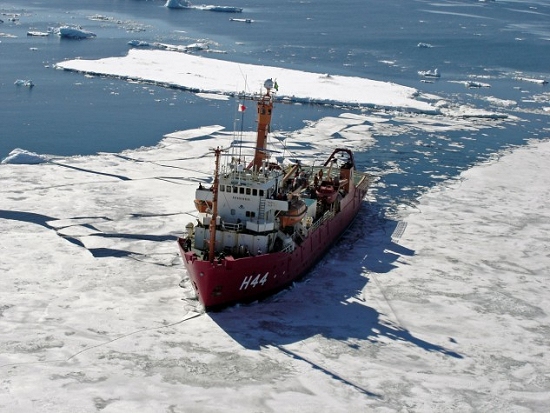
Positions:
{"x": 254, "y": 281}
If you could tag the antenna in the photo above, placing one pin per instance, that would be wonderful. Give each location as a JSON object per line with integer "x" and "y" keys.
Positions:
{"x": 241, "y": 108}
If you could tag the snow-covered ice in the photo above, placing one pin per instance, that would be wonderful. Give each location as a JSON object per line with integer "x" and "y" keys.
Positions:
{"x": 451, "y": 314}
{"x": 197, "y": 73}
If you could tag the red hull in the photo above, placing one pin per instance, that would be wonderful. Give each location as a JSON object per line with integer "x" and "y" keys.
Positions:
{"x": 229, "y": 280}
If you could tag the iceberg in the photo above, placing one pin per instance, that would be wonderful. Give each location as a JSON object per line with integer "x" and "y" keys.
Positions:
{"x": 37, "y": 33}
{"x": 21, "y": 82}
{"x": 532, "y": 80}
{"x": 23, "y": 157}
{"x": 190, "y": 48}
{"x": 223, "y": 9}
{"x": 471, "y": 84}
{"x": 183, "y": 4}
{"x": 177, "y": 4}
{"x": 429, "y": 73}
{"x": 242, "y": 20}
{"x": 199, "y": 46}
{"x": 74, "y": 33}
{"x": 139, "y": 43}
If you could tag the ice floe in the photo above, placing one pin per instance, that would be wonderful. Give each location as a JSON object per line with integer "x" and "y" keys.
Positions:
{"x": 532, "y": 80}
{"x": 443, "y": 307}
{"x": 211, "y": 75}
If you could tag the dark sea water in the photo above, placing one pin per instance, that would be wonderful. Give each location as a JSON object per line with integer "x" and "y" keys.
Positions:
{"x": 70, "y": 114}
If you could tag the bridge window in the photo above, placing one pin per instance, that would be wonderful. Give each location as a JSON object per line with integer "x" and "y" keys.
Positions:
{"x": 248, "y": 191}
{"x": 235, "y": 190}
{"x": 241, "y": 190}
{"x": 222, "y": 188}
{"x": 255, "y": 192}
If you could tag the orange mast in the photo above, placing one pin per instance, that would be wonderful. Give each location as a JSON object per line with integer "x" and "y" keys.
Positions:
{"x": 265, "y": 107}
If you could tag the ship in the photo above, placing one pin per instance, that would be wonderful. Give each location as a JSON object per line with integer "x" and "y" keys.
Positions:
{"x": 260, "y": 225}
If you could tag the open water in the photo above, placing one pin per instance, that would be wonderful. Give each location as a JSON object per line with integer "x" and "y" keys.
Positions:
{"x": 70, "y": 114}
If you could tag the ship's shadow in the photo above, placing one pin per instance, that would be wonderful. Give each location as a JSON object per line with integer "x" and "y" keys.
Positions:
{"x": 329, "y": 302}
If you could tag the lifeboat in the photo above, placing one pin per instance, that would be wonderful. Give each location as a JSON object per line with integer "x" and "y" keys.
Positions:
{"x": 202, "y": 205}
{"x": 327, "y": 192}
{"x": 295, "y": 213}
